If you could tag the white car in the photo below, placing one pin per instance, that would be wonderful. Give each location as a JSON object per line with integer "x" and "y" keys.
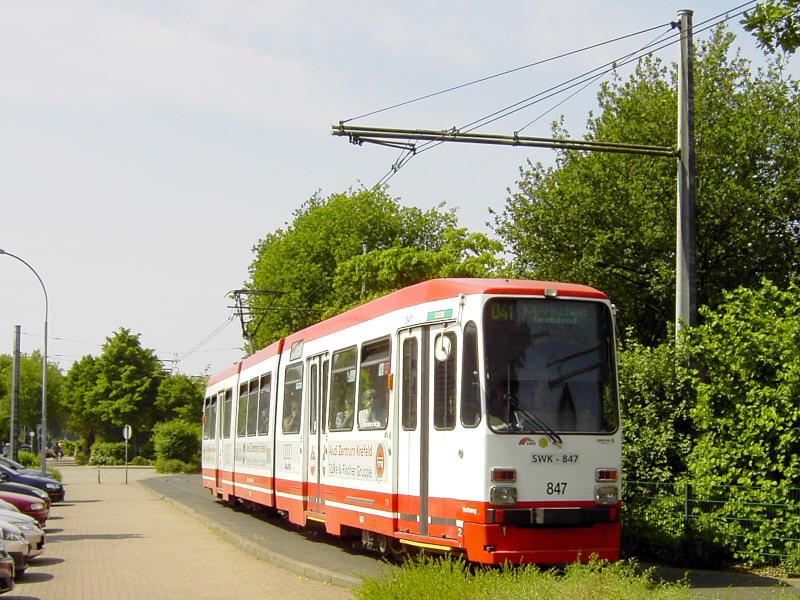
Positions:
{"x": 16, "y": 545}
{"x": 29, "y": 527}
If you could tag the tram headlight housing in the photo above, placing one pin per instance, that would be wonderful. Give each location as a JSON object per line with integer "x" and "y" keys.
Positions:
{"x": 503, "y": 495}
{"x": 606, "y": 494}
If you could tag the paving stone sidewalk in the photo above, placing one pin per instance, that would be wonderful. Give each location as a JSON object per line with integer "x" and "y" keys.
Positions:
{"x": 112, "y": 540}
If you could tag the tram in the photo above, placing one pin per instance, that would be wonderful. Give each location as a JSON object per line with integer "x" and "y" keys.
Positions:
{"x": 473, "y": 416}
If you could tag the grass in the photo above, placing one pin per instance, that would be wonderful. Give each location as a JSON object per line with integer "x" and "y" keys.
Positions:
{"x": 454, "y": 579}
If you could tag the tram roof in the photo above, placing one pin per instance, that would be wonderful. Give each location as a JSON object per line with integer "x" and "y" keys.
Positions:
{"x": 438, "y": 289}
{"x": 426, "y": 291}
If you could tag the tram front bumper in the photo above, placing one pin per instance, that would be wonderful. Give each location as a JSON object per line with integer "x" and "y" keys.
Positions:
{"x": 497, "y": 544}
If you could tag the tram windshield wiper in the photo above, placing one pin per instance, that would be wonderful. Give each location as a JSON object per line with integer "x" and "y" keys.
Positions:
{"x": 537, "y": 421}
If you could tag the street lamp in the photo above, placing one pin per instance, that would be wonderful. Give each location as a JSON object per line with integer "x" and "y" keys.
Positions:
{"x": 43, "y": 443}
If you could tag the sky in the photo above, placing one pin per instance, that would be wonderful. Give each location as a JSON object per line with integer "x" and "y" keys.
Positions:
{"x": 147, "y": 146}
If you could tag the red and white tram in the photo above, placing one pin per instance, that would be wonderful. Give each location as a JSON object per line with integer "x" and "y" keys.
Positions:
{"x": 472, "y": 415}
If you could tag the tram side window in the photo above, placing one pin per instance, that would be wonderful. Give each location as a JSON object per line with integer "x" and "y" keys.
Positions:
{"x": 210, "y": 421}
{"x": 227, "y": 408}
{"x": 241, "y": 413}
{"x": 323, "y": 400}
{"x": 292, "y": 398}
{"x": 444, "y": 388}
{"x": 373, "y": 401}
{"x": 264, "y": 393}
{"x": 313, "y": 399}
{"x": 470, "y": 381}
{"x": 343, "y": 390}
{"x": 409, "y": 384}
{"x": 252, "y": 406}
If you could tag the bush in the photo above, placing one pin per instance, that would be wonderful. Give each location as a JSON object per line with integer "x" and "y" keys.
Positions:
{"x": 32, "y": 461}
{"x": 108, "y": 453}
{"x": 173, "y": 465}
{"x": 177, "y": 440}
{"x": 80, "y": 456}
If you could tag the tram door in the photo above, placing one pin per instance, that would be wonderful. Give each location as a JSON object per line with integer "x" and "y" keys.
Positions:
{"x": 317, "y": 392}
{"x": 411, "y": 459}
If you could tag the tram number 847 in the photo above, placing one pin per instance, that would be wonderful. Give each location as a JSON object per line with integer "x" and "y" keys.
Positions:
{"x": 556, "y": 488}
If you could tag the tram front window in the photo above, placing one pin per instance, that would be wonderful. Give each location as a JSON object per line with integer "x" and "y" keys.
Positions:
{"x": 549, "y": 367}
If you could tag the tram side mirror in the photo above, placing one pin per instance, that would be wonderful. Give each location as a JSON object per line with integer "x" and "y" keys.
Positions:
{"x": 442, "y": 347}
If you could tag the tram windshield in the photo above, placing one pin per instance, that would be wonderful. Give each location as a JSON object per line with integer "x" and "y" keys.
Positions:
{"x": 549, "y": 367}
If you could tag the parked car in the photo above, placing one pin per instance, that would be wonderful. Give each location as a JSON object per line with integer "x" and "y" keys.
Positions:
{"x": 16, "y": 545}
{"x": 53, "y": 487}
{"x": 7, "y": 571}
{"x": 12, "y": 464}
{"x": 27, "y": 490}
{"x": 27, "y": 505}
{"x": 30, "y": 529}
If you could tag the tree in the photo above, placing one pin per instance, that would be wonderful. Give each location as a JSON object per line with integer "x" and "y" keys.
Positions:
{"x": 776, "y": 24}
{"x": 609, "y": 220}
{"x": 80, "y": 401}
{"x": 117, "y": 388}
{"x": 180, "y": 397}
{"x": 29, "y": 409}
{"x": 349, "y": 248}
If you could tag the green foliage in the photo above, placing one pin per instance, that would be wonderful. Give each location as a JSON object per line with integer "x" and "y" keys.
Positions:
{"x": 655, "y": 399}
{"x": 318, "y": 266}
{"x": 80, "y": 456}
{"x": 747, "y": 381}
{"x": 453, "y": 579}
{"x": 776, "y": 24}
{"x": 791, "y": 564}
{"x": 29, "y": 410}
{"x": 180, "y": 397}
{"x": 108, "y": 453}
{"x": 173, "y": 465}
{"x": 177, "y": 440}
{"x": 119, "y": 387}
{"x": 126, "y": 385}
{"x": 653, "y": 527}
{"x": 609, "y": 219}
{"x": 34, "y": 461}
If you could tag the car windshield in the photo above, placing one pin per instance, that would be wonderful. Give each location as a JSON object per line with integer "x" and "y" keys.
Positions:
{"x": 549, "y": 367}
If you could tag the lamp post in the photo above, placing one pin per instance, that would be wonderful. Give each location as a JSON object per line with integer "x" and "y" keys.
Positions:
{"x": 43, "y": 442}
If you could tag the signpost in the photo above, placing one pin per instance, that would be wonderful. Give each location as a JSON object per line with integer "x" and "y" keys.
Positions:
{"x": 126, "y": 433}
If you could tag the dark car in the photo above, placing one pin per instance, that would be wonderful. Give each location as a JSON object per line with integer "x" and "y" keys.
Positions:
{"x": 7, "y": 571}
{"x": 12, "y": 464}
{"x": 53, "y": 487}
{"x": 28, "y": 490}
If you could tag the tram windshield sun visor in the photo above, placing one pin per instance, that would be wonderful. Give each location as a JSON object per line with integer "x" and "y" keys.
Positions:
{"x": 549, "y": 367}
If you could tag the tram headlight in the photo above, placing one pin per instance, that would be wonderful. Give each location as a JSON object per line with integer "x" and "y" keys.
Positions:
{"x": 503, "y": 495}
{"x": 606, "y": 494}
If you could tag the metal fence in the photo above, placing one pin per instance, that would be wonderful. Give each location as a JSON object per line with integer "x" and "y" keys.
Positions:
{"x": 760, "y": 525}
